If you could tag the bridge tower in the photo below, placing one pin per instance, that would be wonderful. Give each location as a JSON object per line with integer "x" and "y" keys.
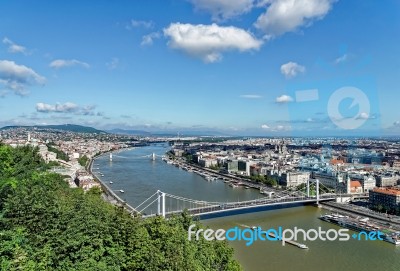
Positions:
{"x": 110, "y": 156}
{"x": 308, "y": 188}
{"x": 153, "y": 156}
{"x": 161, "y": 203}
{"x": 317, "y": 189}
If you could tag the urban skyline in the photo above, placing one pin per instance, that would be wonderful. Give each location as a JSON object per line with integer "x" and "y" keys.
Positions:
{"x": 229, "y": 67}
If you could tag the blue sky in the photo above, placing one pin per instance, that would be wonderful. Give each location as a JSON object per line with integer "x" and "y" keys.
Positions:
{"x": 243, "y": 67}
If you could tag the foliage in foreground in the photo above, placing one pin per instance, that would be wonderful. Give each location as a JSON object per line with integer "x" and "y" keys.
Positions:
{"x": 45, "y": 225}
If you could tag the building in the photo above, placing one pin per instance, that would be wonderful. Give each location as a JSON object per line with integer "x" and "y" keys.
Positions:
{"x": 85, "y": 180}
{"x": 328, "y": 179}
{"x": 355, "y": 187}
{"x": 231, "y": 166}
{"x": 178, "y": 152}
{"x": 368, "y": 182}
{"x": 385, "y": 199}
{"x": 387, "y": 180}
{"x": 255, "y": 170}
{"x": 208, "y": 162}
{"x": 293, "y": 179}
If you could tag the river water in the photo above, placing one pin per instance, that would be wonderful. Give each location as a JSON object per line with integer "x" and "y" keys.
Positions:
{"x": 140, "y": 177}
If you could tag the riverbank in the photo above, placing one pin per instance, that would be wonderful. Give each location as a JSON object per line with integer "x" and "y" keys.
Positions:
{"x": 343, "y": 209}
{"x": 107, "y": 193}
{"x": 235, "y": 181}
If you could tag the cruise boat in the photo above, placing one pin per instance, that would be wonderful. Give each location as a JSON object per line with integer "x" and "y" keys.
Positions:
{"x": 302, "y": 246}
{"x": 362, "y": 225}
{"x": 393, "y": 238}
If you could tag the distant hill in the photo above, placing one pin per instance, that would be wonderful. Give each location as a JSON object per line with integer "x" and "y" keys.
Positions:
{"x": 64, "y": 127}
{"x": 128, "y": 132}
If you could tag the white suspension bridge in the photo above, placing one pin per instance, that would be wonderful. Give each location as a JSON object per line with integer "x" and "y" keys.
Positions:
{"x": 207, "y": 209}
{"x": 152, "y": 156}
{"x": 169, "y": 204}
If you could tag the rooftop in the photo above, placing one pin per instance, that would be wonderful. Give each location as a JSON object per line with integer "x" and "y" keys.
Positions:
{"x": 388, "y": 191}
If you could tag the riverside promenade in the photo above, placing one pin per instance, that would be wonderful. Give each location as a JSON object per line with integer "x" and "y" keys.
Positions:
{"x": 108, "y": 194}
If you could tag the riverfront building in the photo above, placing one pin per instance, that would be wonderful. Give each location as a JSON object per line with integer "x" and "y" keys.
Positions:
{"x": 385, "y": 198}
{"x": 293, "y": 179}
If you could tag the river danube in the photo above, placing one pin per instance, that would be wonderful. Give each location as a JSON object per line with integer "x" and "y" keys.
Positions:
{"x": 140, "y": 177}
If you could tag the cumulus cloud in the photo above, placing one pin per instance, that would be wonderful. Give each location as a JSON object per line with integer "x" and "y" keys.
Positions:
{"x": 13, "y": 47}
{"x": 265, "y": 126}
{"x": 251, "y": 96}
{"x": 63, "y": 63}
{"x": 68, "y": 107}
{"x": 284, "y": 99}
{"x": 291, "y": 69}
{"x": 223, "y": 9}
{"x": 58, "y": 108}
{"x": 17, "y": 77}
{"x": 207, "y": 42}
{"x": 148, "y": 39}
{"x": 283, "y": 16}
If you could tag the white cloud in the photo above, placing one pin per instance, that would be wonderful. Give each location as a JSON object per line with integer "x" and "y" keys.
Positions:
{"x": 58, "y": 108}
{"x": 13, "y": 47}
{"x": 341, "y": 59}
{"x": 284, "y": 99}
{"x": 309, "y": 120}
{"x": 291, "y": 69}
{"x": 63, "y": 63}
{"x": 209, "y": 41}
{"x": 148, "y": 39}
{"x": 265, "y": 126}
{"x": 68, "y": 107}
{"x": 223, "y": 9}
{"x": 144, "y": 24}
{"x": 17, "y": 77}
{"x": 284, "y": 16}
{"x": 251, "y": 96}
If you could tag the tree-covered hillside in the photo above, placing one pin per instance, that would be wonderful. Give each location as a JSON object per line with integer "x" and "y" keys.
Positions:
{"x": 45, "y": 225}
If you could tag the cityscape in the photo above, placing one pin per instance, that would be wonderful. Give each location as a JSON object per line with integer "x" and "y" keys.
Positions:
{"x": 199, "y": 135}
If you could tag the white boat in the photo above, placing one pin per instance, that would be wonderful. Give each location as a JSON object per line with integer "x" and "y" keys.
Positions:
{"x": 302, "y": 246}
{"x": 394, "y": 239}
{"x": 122, "y": 191}
{"x": 111, "y": 182}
